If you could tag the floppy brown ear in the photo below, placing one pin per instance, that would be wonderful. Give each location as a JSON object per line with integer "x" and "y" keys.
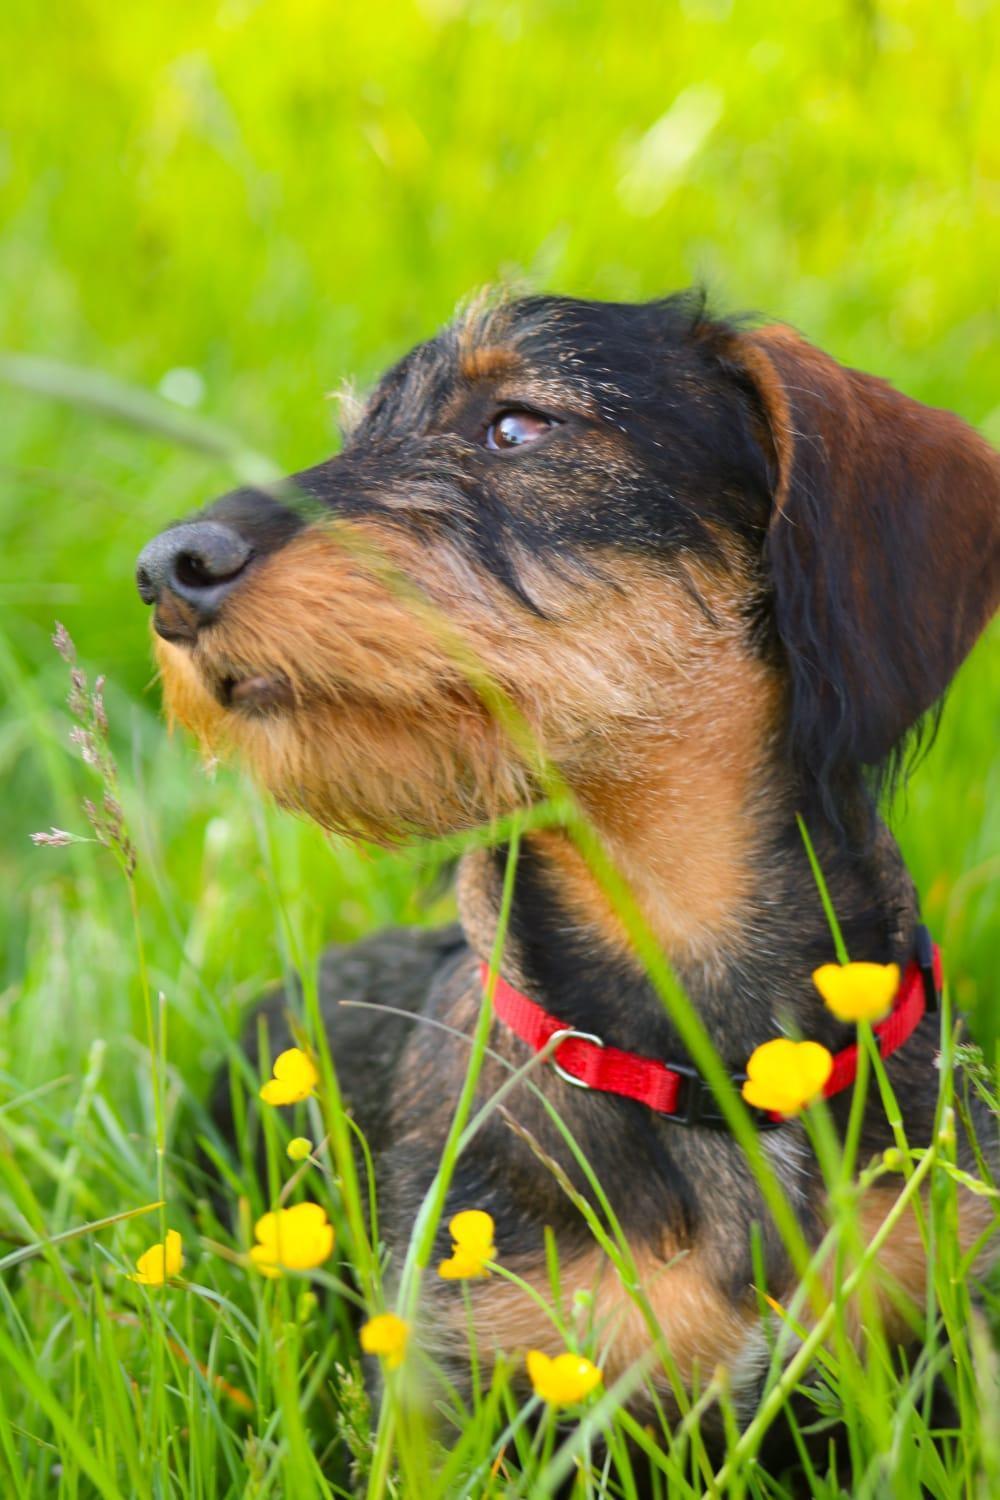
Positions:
{"x": 883, "y": 548}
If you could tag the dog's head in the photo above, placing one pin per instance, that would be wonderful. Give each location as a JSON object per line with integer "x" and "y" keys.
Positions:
{"x": 587, "y": 526}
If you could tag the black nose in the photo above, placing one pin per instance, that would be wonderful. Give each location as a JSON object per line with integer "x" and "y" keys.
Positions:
{"x": 198, "y": 563}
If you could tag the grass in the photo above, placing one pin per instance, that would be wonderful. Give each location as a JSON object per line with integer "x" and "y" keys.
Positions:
{"x": 235, "y": 207}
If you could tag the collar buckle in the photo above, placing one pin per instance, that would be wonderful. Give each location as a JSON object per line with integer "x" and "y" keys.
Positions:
{"x": 566, "y": 1034}
{"x": 697, "y": 1104}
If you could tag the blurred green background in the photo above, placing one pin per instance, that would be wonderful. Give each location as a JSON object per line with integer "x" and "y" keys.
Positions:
{"x": 236, "y": 205}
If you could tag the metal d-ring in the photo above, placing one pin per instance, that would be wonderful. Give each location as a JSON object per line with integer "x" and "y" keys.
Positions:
{"x": 556, "y": 1040}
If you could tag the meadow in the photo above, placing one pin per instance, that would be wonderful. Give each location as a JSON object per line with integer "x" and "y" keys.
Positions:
{"x": 212, "y": 215}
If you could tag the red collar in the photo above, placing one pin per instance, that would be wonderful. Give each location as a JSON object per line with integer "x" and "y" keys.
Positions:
{"x": 676, "y": 1089}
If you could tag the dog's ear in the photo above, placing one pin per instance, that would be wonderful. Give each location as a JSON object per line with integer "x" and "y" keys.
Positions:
{"x": 883, "y": 548}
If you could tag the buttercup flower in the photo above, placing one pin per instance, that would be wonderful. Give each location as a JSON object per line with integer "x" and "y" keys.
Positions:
{"x": 295, "y": 1078}
{"x": 784, "y": 1075}
{"x": 160, "y": 1262}
{"x": 299, "y": 1148}
{"x": 563, "y": 1380}
{"x": 386, "y": 1335}
{"x": 292, "y": 1239}
{"x": 858, "y": 992}
{"x": 472, "y": 1233}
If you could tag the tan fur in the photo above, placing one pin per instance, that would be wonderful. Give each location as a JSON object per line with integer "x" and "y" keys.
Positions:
{"x": 487, "y": 363}
{"x": 624, "y": 685}
{"x": 700, "y": 1328}
{"x": 900, "y": 1278}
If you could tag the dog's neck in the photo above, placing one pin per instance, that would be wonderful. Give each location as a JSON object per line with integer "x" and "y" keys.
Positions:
{"x": 723, "y": 882}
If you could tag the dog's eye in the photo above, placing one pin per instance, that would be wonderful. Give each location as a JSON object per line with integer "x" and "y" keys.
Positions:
{"x": 512, "y": 429}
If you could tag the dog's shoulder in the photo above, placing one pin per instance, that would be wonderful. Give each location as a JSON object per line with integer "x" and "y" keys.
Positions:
{"x": 395, "y": 968}
{"x": 368, "y": 992}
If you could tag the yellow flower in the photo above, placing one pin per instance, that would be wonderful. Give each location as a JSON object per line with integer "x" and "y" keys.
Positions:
{"x": 386, "y": 1335}
{"x": 472, "y": 1233}
{"x": 160, "y": 1262}
{"x": 784, "y": 1075}
{"x": 299, "y": 1148}
{"x": 295, "y": 1078}
{"x": 858, "y": 992}
{"x": 563, "y": 1380}
{"x": 292, "y": 1239}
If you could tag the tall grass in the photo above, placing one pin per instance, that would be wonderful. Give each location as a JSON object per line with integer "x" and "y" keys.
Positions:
{"x": 233, "y": 208}
{"x": 223, "y": 1383}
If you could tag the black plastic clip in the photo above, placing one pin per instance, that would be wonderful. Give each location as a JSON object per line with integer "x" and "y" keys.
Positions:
{"x": 698, "y": 1104}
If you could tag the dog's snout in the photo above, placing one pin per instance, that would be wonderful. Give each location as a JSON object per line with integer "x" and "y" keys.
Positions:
{"x": 197, "y": 563}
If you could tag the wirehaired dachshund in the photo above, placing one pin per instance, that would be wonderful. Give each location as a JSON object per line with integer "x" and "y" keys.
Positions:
{"x": 710, "y": 578}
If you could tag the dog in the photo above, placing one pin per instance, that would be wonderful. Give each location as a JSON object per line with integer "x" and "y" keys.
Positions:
{"x": 702, "y": 578}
